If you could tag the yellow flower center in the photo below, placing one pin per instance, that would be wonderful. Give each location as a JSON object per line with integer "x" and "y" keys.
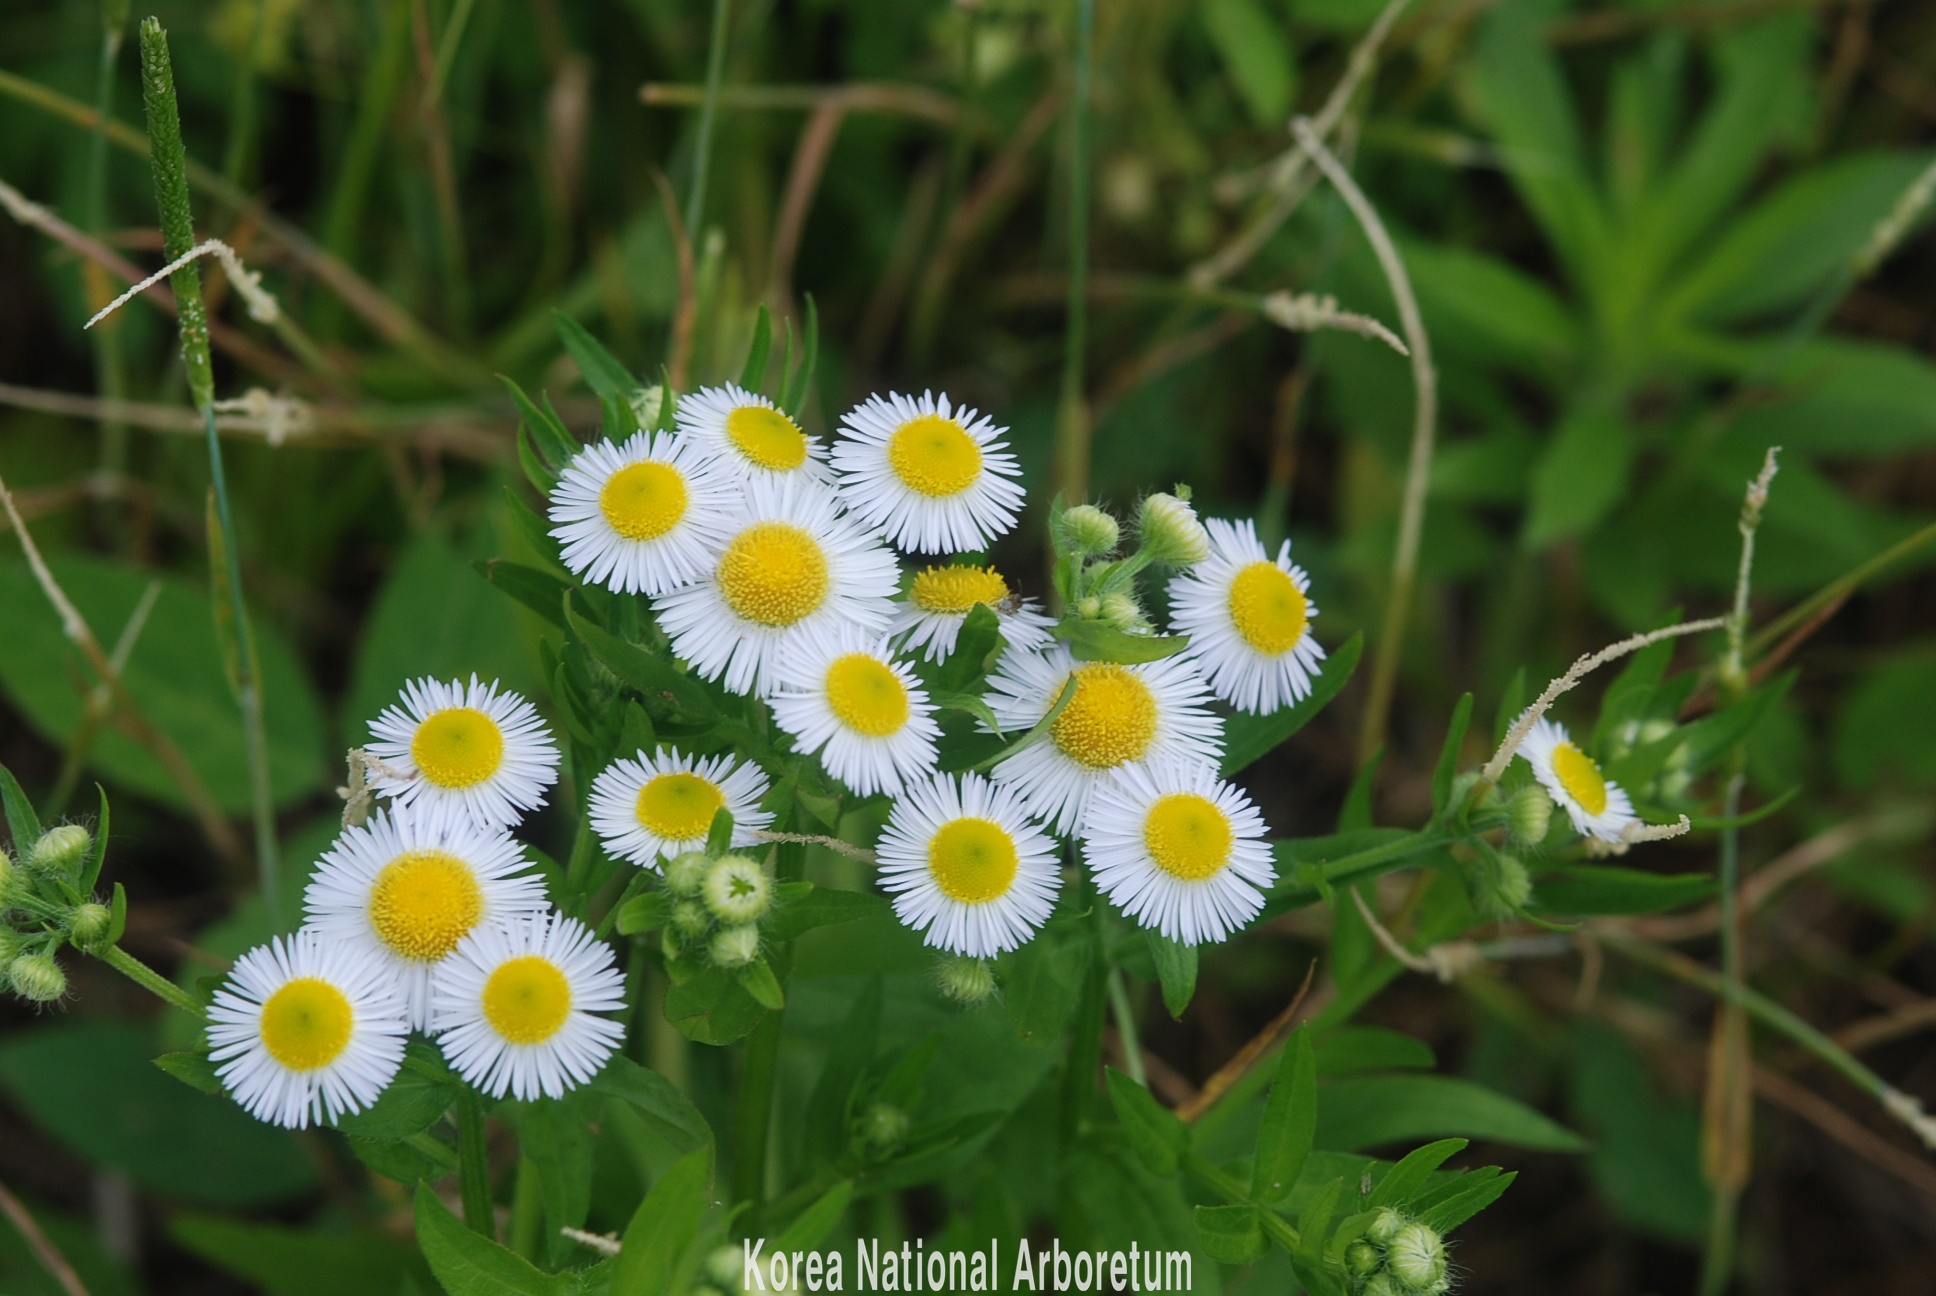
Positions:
{"x": 458, "y": 747}
{"x": 678, "y": 807}
{"x": 1268, "y": 609}
{"x": 956, "y": 589}
{"x": 973, "y": 860}
{"x": 767, "y": 437}
{"x": 1581, "y": 778}
{"x": 1111, "y": 718}
{"x": 866, "y": 696}
{"x": 934, "y": 456}
{"x": 1187, "y": 836}
{"x": 306, "y": 1024}
{"x": 424, "y": 902}
{"x": 643, "y": 501}
{"x": 774, "y": 574}
{"x": 527, "y": 999}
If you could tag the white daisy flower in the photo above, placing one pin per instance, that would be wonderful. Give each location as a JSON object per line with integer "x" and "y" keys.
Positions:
{"x": 652, "y": 806}
{"x": 513, "y": 1008}
{"x": 1249, "y": 620}
{"x": 939, "y": 600}
{"x": 1597, "y": 806}
{"x": 790, "y": 563}
{"x": 935, "y": 477}
{"x": 1178, "y": 850}
{"x": 638, "y": 518}
{"x": 463, "y": 753}
{"x": 1118, "y": 715}
{"x": 306, "y": 1029}
{"x": 840, "y": 693}
{"x": 749, "y": 435}
{"x": 968, "y": 868}
{"x": 406, "y": 892}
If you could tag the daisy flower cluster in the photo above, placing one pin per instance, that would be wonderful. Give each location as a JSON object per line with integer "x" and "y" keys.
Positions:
{"x": 425, "y": 917}
{"x": 835, "y": 583}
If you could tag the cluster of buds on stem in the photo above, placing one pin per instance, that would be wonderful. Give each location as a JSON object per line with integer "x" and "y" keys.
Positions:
{"x": 1398, "y": 1257}
{"x": 1096, "y": 583}
{"x": 717, "y": 905}
{"x": 43, "y": 906}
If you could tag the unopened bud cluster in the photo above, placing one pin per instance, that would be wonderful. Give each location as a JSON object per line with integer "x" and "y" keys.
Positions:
{"x": 717, "y": 905}
{"x": 42, "y": 908}
{"x": 1099, "y": 586}
{"x": 1398, "y": 1256}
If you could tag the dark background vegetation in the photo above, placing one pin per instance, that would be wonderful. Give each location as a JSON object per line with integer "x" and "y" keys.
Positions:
{"x": 1619, "y": 217}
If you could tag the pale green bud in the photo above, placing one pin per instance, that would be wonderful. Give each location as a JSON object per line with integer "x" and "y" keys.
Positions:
{"x": 1089, "y": 608}
{"x": 883, "y": 1127}
{"x": 1361, "y": 1259}
{"x": 1384, "y": 1226}
{"x": 647, "y": 403}
{"x": 1416, "y": 1258}
{"x": 88, "y": 927}
{"x": 689, "y": 918}
{"x": 1089, "y": 531}
{"x": 725, "y": 1266}
{"x": 1381, "y": 1284}
{"x": 1512, "y": 887}
{"x": 1120, "y": 611}
{"x": 686, "y": 874}
{"x": 735, "y": 947}
{"x": 737, "y": 889}
{"x": 966, "y": 980}
{"x": 1171, "y": 532}
{"x": 60, "y": 850}
{"x": 37, "y": 977}
{"x": 1529, "y": 816}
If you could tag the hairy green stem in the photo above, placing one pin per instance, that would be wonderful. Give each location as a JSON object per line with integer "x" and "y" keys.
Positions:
{"x": 527, "y": 1211}
{"x": 152, "y": 981}
{"x": 759, "y": 1073}
{"x": 1072, "y": 431}
{"x": 474, "y": 1164}
{"x": 708, "y": 111}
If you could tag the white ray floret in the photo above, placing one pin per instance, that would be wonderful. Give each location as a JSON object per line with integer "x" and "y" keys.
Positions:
{"x": 938, "y": 602}
{"x": 1249, "y": 617}
{"x": 639, "y": 518}
{"x": 791, "y": 563}
{"x": 1117, "y": 716}
{"x": 406, "y": 892}
{"x": 1597, "y": 805}
{"x": 967, "y": 866}
{"x": 652, "y": 806}
{"x": 458, "y": 752}
{"x": 935, "y": 477}
{"x": 749, "y": 435}
{"x": 306, "y": 1030}
{"x": 1179, "y": 850}
{"x": 515, "y": 1008}
{"x": 840, "y": 692}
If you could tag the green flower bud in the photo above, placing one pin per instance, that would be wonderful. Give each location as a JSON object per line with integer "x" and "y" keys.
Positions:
{"x": 1385, "y": 1226}
{"x": 6, "y": 878}
{"x": 1416, "y": 1258}
{"x": 60, "y": 850}
{"x": 1381, "y": 1284}
{"x": 1089, "y": 531}
{"x": 883, "y": 1127}
{"x": 966, "y": 980}
{"x": 1361, "y": 1259}
{"x": 1089, "y": 608}
{"x": 737, "y": 889}
{"x": 689, "y": 918}
{"x": 88, "y": 926}
{"x": 1170, "y": 531}
{"x": 1512, "y": 884}
{"x": 686, "y": 874}
{"x": 725, "y": 1267}
{"x": 1529, "y": 816}
{"x": 37, "y": 977}
{"x": 1120, "y": 611}
{"x": 736, "y": 946}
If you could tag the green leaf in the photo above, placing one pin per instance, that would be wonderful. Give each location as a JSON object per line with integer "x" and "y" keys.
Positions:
{"x": 470, "y": 1264}
{"x": 1410, "y": 1174}
{"x": 1457, "y": 1209}
{"x": 555, "y": 1136}
{"x": 757, "y": 979}
{"x": 800, "y": 383}
{"x": 801, "y": 912}
{"x": 664, "y": 1226}
{"x": 648, "y": 912}
{"x": 657, "y": 1099}
{"x": 422, "y": 1092}
{"x": 1044, "y": 980}
{"x": 849, "y": 1054}
{"x": 1448, "y": 766}
{"x": 22, "y": 823}
{"x": 193, "y": 1068}
{"x": 1232, "y": 1234}
{"x": 423, "y": 1158}
{"x": 1176, "y": 970}
{"x": 1092, "y": 641}
{"x": 97, "y": 851}
{"x": 1290, "y": 1119}
{"x": 1156, "y": 1134}
{"x": 117, "y": 915}
{"x": 1248, "y": 737}
{"x": 603, "y": 372}
{"x": 976, "y": 643}
{"x": 176, "y": 674}
{"x": 1371, "y": 1111}
{"x": 712, "y": 1007}
{"x": 1314, "y": 1221}
{"x": 1485, "y": 306}
{"x": 540, "y": 591}
{"x": 719, "y": 834}
{"x": 753, "y": 376}
{"x": 1843, "y": 398}
{"x": 1580, "y": 476}
{"x": 282, "y": 1261}
{"x": 550, "y": 438}
{"x": 663, "y": 687}
{"x": 1587, "y": 890}
{"x": 812, "y": 1225}
{"x": 1351, "y": 1049}
{"x": 1256, "y": 52}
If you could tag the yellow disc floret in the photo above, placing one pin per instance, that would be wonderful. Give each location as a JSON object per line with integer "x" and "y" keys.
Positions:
{"x": 1581, "y": 778}
{"x": 1188, "y": 836}
{"x": 306, "y": 1024}
{"x": 934, "y": 456}
{"x": 423, "y": 903}
{"x": 1111, "y": 718}
{"x": 458, "y": 747}
{"x": 643, "y": 501}
{"x": 973, "y": 860}
{"x": 1268, "y": 609}
{"x": 774, "y": 574}
{"x": 957, "y": 589}
{"x": 678, "y": 806}
{"x": 527, "y": 999}
{"x": 866, "y": 696}
{"x": 767, "y": 437}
